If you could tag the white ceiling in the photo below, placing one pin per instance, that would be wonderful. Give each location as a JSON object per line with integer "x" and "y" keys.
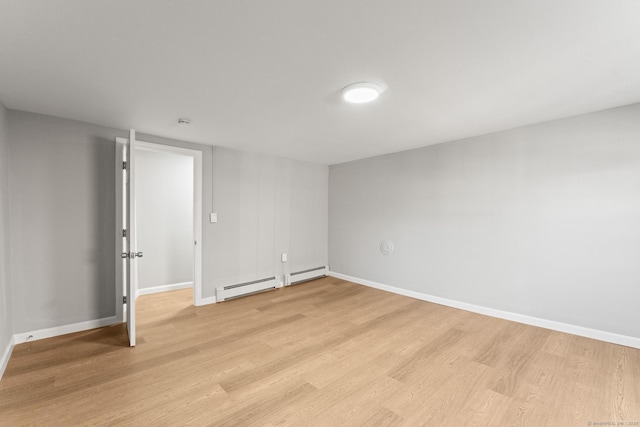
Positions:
{"x": 266, "y": 76}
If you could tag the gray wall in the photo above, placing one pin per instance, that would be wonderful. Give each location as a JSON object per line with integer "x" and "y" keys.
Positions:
{"x": 61, "y": 201}
{"x": 542, "y": 220}
{"x": 62, "y": 176}
{"x": 307, "y": 202}
{"x": 267, "y": 206}
{"x": 164, "y": 208}
{"x": 6, "y": 328}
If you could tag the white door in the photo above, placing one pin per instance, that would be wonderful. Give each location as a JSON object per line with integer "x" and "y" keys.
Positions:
{"x": 129, "y": 254}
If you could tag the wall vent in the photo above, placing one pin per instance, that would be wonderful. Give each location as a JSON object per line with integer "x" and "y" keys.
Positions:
{"x": 306, "y": 275}
{"x": 243, "y": 289}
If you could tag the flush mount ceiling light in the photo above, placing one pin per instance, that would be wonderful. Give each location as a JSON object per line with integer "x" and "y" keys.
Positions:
{"x": 184, "y": 122}
{"x": 359, "y": 93}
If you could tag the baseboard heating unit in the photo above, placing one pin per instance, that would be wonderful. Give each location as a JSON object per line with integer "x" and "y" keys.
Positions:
{"x": 247, "y": 288}
{"x": 306, "y": 275}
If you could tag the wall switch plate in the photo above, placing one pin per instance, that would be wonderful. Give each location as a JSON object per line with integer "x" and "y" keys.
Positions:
{"x": 213, "y": 217}
{"x": 284, "y": 257}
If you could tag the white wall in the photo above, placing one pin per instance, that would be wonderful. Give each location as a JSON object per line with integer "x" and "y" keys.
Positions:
{"x": 542, "y": 220}
{"x": 6, "y": 327}
{"x": 62, "y": 196}
{"x": 164, "y": 209}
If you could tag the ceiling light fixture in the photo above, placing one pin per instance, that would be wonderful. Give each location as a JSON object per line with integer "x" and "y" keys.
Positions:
{"x": 184, "y": 122}
{"x": 359, "y": 93}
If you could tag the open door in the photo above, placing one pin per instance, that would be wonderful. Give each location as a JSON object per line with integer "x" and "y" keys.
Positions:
{"x": 129, "y": 255}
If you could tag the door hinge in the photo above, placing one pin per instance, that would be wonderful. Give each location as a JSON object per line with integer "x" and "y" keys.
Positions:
{"x": 124, "y": 165}
{"x": 124, "y": 299}
{"x": 124, "y": 233}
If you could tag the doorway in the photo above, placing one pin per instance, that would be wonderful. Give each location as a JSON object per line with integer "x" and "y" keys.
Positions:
{"x": 171, "y": 242}
{"x": 164, "y": 220}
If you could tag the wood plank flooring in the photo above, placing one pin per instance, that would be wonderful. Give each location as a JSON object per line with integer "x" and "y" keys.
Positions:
{"x": 323, "y": 353}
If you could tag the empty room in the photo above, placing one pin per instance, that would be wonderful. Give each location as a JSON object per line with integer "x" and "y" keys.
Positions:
{"x": 320, "y": 213}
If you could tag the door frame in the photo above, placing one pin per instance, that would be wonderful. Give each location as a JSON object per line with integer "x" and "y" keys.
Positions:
{"x": 119, "y": 185}
{"x": 196, "y": 155}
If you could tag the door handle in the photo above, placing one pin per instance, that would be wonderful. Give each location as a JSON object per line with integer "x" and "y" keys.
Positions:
{"x": 131, "y": 255}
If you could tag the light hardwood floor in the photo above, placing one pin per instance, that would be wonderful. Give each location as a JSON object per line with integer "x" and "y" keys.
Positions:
{"x": 323, "y": 353}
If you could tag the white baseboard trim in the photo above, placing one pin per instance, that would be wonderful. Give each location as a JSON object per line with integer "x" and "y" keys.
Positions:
{"x": 64, "y": 329}
{"x": 164, "y": 288}
{"x": 206, "y": 301}
{"x": 611, "y": 337}
{"x": 4, "y": 361}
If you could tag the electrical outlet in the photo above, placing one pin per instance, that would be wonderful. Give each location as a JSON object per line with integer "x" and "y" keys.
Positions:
{"x": 213, "y": 217}
{"x": 284, "y": 257}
